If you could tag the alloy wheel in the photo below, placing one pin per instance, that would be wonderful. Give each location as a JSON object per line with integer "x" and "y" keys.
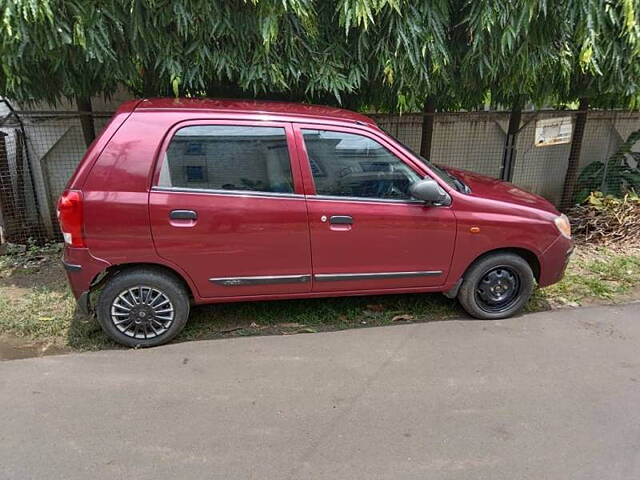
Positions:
{"x": 142, "y": 312}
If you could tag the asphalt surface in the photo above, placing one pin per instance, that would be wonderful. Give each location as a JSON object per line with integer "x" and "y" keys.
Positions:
{"x": 545, "y": 396}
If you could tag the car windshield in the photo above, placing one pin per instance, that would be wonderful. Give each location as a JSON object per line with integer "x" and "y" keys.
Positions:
{"x": 447, "y": 177}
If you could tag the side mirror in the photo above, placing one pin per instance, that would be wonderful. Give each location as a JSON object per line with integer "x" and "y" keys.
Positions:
{"x": 429, "y": 191}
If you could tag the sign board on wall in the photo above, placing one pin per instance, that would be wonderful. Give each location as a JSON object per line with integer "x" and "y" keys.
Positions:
{"x": 553, "y": 131}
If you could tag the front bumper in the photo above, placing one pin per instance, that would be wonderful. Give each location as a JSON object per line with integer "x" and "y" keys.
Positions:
{"x": 554, "y": 261}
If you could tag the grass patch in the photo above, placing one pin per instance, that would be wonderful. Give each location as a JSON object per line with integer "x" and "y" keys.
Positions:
{"x": 35, "y": 302}
{"x": 41, "y": 313}
{"x": 594, "y": 275}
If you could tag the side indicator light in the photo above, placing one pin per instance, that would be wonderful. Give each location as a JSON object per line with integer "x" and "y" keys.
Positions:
{"x": 474, "y": 229}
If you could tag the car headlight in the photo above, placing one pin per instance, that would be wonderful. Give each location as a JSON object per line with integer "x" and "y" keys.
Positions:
{"x": 563, "y": 224}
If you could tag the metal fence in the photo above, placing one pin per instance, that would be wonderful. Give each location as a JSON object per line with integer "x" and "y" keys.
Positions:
{"x": 40, "y": 150}
{"x": 476, "y": 141}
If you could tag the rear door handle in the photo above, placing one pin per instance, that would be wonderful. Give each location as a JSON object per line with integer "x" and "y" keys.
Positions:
{"x": 341, "y": 220}
{"x": 183, "y": 215}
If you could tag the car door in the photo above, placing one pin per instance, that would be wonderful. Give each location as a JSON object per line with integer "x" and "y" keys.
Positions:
{"x": 367, "y": 232}
{"x": 227, "y": 207}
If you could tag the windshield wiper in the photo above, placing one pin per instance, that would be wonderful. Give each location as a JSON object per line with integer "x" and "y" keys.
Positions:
{"x": 459, "y": 184}
{"x": 465, "y": 187}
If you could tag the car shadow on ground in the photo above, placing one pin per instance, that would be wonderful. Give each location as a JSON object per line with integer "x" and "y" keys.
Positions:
{"x": 287, "y": 317}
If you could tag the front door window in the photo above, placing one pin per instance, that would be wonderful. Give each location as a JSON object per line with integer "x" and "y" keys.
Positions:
{"x": 351, "y": 165}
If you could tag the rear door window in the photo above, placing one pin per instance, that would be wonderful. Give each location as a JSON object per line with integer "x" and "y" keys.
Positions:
{"x": 228, "y": 157}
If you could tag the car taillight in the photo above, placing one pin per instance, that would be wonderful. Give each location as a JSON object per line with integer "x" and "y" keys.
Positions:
{"x": 70, "y": 216}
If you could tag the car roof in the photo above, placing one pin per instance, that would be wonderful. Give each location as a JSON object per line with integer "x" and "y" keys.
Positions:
{"x": 289, "y": 109}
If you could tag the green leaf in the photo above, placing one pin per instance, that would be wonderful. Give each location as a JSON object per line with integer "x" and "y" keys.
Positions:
{"x": 175, "y": 86}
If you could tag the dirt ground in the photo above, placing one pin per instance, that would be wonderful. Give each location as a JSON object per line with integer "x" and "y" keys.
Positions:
{"x": 44, "y": 271}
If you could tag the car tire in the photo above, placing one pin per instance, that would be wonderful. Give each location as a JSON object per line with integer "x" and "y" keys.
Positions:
{"x": 143, "y": 307}
{"x": 496, "y": 286}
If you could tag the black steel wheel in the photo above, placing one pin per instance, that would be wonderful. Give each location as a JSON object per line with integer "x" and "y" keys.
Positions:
{"x": 496, "y": 286}
{"x": 498, "y": 289}
{"x": 143, "y": 307}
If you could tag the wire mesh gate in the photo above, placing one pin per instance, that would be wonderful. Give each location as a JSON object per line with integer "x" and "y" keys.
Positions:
{"x": 20, "y": 210}
{"x": 39, "y": 151}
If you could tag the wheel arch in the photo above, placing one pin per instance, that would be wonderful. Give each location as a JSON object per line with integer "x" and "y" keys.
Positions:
{"x": 101, "y": 278}
{"x": 530, "y": 257}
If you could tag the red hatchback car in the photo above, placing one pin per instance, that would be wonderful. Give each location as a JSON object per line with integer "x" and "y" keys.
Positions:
{"x": 182, "y": 202}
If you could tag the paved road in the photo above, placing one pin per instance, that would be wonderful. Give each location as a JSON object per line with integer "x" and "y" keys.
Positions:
{"x": 545, "y": 396}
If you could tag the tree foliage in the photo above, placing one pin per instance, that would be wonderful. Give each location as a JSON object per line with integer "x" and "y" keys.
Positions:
{"x": 387, "y": 54}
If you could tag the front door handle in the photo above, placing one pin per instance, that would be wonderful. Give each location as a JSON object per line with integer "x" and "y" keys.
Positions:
{"x": 341, "y": 220}
{"x": 183, "y": 215}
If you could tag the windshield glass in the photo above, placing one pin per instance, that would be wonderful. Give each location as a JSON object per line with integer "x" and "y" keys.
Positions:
{"x": 449, "y": 179}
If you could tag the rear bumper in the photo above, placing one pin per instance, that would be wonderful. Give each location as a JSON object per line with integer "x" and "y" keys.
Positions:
{"x": 81, "y": 268}
{"x": 554, "y": 261}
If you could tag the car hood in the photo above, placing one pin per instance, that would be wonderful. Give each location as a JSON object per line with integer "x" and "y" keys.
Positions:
{"x": 493, "y": 189}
